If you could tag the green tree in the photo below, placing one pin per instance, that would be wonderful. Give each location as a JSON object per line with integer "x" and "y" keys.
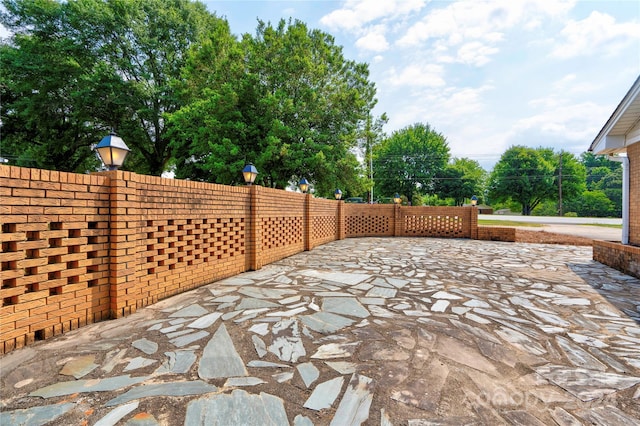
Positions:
{"x": 461, "y": 179}
{"x": 409, "y": 160}
{"x": 116, "y": 67}
{"x": 593, "y": 204}
{"x": 292, "y": 106}
{"x": 369, "y": 137}
{"x": 524, "y": 175}
{"x": 606, "y": 176}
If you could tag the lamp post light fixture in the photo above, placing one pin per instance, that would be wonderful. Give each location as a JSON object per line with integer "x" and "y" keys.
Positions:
{"x": 338, "y": 194}
{"x": 474, "y": 201}
{"x": 397, "y": 199}
{"x": 249, "y": 173}
{"x": 112, "y": 151}
{"x": 304, "y": 185}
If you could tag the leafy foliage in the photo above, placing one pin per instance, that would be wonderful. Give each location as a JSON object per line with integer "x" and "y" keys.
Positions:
{"x": 409, "y": 161}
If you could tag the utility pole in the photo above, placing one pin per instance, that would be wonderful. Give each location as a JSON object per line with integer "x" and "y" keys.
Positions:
{"x": 560, "y": 186}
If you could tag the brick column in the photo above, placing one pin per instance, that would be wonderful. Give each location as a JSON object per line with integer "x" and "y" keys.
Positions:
{"x": 474, "y": 223}
{"x": 397, "y": 220}
{"x": 340, "y": 222}
{"x": 307, "y": 222}
{"x": 254, "y": 236}
{"x": 124, "y": 228}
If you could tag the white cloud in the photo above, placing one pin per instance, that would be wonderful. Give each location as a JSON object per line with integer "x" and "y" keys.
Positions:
{"x": 470, "y": 31}
{"x": 416, "y": 75}
{"x": 598, "y": 34}
{"x": 374, "y": 41}
{"x": 357, "y": 13}
{"x": 576, "y": 122}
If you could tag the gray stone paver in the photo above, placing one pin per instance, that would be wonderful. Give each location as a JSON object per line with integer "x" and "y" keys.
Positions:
{"x": 422, "y": 331}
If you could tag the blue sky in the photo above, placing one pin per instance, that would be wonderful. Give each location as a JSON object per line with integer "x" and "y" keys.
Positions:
{"x": 485, "y": 74}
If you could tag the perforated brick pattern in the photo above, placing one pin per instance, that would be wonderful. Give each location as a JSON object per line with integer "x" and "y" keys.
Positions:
{"x": 54, "y": 270}
{"x": 433, "y": 226}
{"x": 365, "y": 220}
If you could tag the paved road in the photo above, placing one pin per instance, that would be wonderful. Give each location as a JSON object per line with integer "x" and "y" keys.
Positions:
{"x": 379, "y": 331}
{"x": 579, "y": 226}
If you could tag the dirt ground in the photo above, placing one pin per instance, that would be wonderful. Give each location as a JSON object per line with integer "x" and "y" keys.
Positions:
{"x": 543, "y": 237}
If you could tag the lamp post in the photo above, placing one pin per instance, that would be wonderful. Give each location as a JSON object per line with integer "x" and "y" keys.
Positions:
{"x": 474, "y": 201}
{"x": 304, "y": 185}
{"x": 112, "y": 151}
{"x": 338, "y": 194}
{"x": 397, "y": 199}
{"x": 249, "y": 173}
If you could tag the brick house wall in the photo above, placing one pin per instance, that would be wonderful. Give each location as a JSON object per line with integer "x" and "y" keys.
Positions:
{"x": 633, "y": 153}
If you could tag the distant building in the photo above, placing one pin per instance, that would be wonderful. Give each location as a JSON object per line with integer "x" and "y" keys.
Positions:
{"x": 620, "y": 140}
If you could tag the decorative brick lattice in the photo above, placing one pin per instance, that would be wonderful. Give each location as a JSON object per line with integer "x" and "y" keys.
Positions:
{"x": 433, "y": 226}
{"x": 324, "y": 227}
{"x": 368, "y": 225}
{"x": 281, "y": 232}
{"x": 185, "y": 241}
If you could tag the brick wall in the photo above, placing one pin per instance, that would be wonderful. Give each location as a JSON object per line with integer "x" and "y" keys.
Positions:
{"x": 633, "y": 153}
{"x": 83, "y": 248}
{"x": 54, "y": 255}
{"x": 624, "y": 258}
{"x": 496, "y": 233}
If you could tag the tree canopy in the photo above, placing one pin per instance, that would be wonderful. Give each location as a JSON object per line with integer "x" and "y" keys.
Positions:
{"x": 292, "y": 107}
{"x": 408, "y": 161}
{"x": 77, "y": 69}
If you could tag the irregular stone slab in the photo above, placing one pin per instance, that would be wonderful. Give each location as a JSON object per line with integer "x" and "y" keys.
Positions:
{"x": 424, "y": 391}
{"x": 205, "y": 321}
{"x": 609, "y": 415}
{"x": 79, "y": 367}
{"x": 35, "y": 415}
{"x": 139, "y": 362}
{"x": 239, "y": 408}
{"x": 440, "y": 306}
{"x": 355, "y": 403}
{"x": 254, "y": 303}
{"x": 324, "y": 394}
{"x": 344, "y": 306}
{"x": 194, "y": 310}
{"x": 189, "y": 338}
{"x": 142, "y": 419}
{"x": 115, "y": 415}
{"x": 146, "y": 346}
{"x": 587, "y": 340}
{"x": 196, "y": 387}
{"x": 259, "y": 345}
{"x": 578, "y": 356}
{"x": 445, "y": 421}
{"x": 382, "y": 292}
{"x": 82, "y": 386}
{"x": 337, "y": 277}
{"x": 325, "y": 322}
{"x": 308, "y": 372}
{"x": 457, "y": 351}
{"x": 287, "y": 346}
{"x": 301, "y": 420}
{"x": 266, "y": 364}
{"x": 220, "y": 358}
{"x": 563, "y": 418}
{"x": 283, "y": 377}
{"x": 261, "y": 329}
{"x": 520, "y": 341}
{"x": 584, "y": 384}
{"x": 342, "y": 367}
{"x": 112, "y": 359}
{"x": 288, "y": 313}
{"x": 381, "y": 351}
{"x": 445, "y": 296}
{"x": 266, "y": 293}
{"x": 520, "y": 417}
{"x": 335, "y": 350}
{"x": 243, "y": 381}
{"x": 226, "y": 299}
{"x": 178, "y": 362}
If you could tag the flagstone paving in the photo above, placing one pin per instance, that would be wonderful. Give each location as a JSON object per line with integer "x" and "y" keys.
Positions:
{"x": 361, "y": 331}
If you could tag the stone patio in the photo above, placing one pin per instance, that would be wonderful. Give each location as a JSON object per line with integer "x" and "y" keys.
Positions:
{"x": 379, "y": 331}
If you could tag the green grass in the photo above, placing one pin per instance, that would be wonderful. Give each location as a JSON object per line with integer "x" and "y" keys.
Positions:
{"x": 507, "y": 223}
{"x": 605, "y": 225}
